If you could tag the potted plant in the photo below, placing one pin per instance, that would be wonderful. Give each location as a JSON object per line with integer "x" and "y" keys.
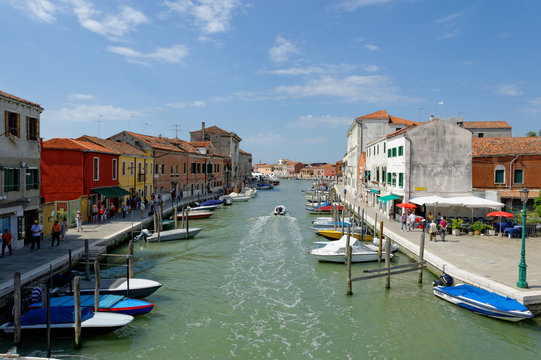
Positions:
{"x": 456, "y": 226}
{"x": 490, "y": 230}
{"x": 477, "y": 227}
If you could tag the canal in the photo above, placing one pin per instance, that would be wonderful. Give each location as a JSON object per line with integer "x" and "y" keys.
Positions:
{"x": 246, "y": 288}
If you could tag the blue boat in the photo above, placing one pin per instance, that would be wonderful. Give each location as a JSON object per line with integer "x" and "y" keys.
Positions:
{"x": 483, "y": 302}
{"x": 211, "y": 202}
{"x": 108, "y": 303}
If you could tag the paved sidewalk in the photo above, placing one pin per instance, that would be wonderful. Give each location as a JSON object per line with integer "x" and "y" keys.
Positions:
{"x": 489, "y": 262}
{"x": 34, "y": 264}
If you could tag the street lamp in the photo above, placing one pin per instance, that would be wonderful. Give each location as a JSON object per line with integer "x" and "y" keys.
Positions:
{"x": 522, "y": 266}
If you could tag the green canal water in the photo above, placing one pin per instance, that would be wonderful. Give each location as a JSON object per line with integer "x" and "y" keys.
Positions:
{"x": 246, "y": 288}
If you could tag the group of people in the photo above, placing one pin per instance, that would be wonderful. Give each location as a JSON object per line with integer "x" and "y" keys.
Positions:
{"x": 435, "y": 226}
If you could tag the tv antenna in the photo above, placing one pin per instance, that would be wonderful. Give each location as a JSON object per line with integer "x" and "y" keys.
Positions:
{"x": 176, "y": 129}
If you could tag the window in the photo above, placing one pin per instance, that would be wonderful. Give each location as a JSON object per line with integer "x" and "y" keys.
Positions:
{"x": 518, "y": 176}
{"x": 204, "y": 168}
{"x": 499, "y": 175}
{"x": 172, "y": 171}
{"x": 194, "y": 168}
{"x": 157, "y": 169}
{"x": 209, "y": 168}
{"x": 199, "y": 168}
{"x": 123, "y": 168}
{"x": 480, "y": 135}
{"x": 115, "y": 169}
{"x": 377, "y": 174}
{"x": 176, "y": 170}
{"x": 32, "y": 178}
{"x": 12, "y": 179}
{"x": 389, "y": 153}
{"x": 384, "y": 144}
{"x": 394, "y": 152}
{"x": 32, "y": 129}
{"x": 13, "y": 125}
{"x": 401, "y": 179}
{"x": 131, "y": 168}
{"x": 389, "y": 176}
{"x": 383, "y": 175}
{"x": 163, "y": 169}
{"x": 394, "y": 178}
{"x": 96, "y": 168}
{"x": 400, "y": 150}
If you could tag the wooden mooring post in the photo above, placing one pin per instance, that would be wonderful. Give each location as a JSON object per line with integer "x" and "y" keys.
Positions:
{"x": 176, "y": 219}
{"x": 187, "y": 222}
{"x": 17, "y": 303}
{"x": 348, "y": 263}
{"x": 387, "y": 263}
{"x": 87, "y": 261}
{"x": 421, "y": 256}
{"x": 97, "y": 286}
{"x": 130, "y": 263}
{"x": 77, "y": 305}
{"x": 380, "y": 240}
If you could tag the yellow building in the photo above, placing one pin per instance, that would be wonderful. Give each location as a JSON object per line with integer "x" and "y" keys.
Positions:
{"x": 135, "y": 167}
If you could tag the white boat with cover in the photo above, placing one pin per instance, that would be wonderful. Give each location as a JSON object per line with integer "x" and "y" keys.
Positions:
{"x": 335, "y": 251}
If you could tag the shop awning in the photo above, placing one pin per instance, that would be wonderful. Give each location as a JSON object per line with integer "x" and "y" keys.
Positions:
{"x": 388, "y": 198}
{"x": 374, "y": 191}
{"x": 111, "y": 191}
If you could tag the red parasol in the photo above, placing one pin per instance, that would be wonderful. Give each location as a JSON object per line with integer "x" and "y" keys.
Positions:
{"x": 500, "y": 214}
{"x": 407, "y": 206}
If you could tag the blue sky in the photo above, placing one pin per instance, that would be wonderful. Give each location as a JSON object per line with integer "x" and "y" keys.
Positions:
{"x": 287, "y": 76}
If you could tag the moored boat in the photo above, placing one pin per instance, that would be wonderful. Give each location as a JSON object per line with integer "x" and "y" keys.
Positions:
{"x": 335, "y": 251}
{"x": 337, "y": 234}
{"x": 483, "y": 302}
{"x": 169, "y": 235}
{"x": 134, "y": 287}
{"x": 108, "y": 303}
{"x": 196, "y": 215}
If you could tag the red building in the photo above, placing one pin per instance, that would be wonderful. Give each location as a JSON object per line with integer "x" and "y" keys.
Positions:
{"x": 504, "y": 165}
{"x": 74, "y": 168}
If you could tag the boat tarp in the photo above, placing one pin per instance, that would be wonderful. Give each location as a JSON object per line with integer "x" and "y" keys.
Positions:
{"x": 484, "y": 296}
{"x": 388, "y": 198}
{"x": 211, "y": 202}
{"x": 106, "y": 301}
{"x": 59, "y": 315}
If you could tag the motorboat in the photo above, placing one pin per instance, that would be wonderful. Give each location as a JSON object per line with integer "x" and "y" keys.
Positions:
{"x": 483, "y": 302}
{"x": 324, "y": 224}
{"x": 227, "y": 200}
{"x": 337, "y": 234}
{"x": 280, "y": 210}
{"x": 203, "y": 208}
{"x": 335, "y": 251}
{"x": 195, "y": 215}
{"x": 265, "y": 186}
{"x": 168, "y": 235}
{"x": 323, "y": 209}
{"x": 134, "y": 287}
{"x": 212, "y": 202}
{"x": 107, "y": 303}
{"x": 62, "y": 322}
{"x": 394, "y": 247}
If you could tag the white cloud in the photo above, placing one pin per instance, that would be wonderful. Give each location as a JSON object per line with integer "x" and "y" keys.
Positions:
{"x": 534, "y": 106}
{"x": 81, "y": 97}
{"x": 369, "y": 68}
{"x": 282, "y": 50}
{"x": 171, "y": 55}
{"x": 371, "y": 47}
{"x": 370, "y": 88}
{"x": 88, "y": 113}
{"x": 181, "y": 105}
{"x": 212, "y": 16}
{"x": 509, "y": 89}
{"x": 450, "y": 18}
{"x": 352, "y": 5}
{"x": 112, "y": 26}
{"x": 41, "y": 10}
{"x": 268, "y": 139}
{"x": 325, "y": 121}
{"x": 312, "y": 69}
{"x": 450, "y": 24}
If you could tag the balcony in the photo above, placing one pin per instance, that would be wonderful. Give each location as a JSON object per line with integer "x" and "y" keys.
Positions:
{"x": 141, "y": 177}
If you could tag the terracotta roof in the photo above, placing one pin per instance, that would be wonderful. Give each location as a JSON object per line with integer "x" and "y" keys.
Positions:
{"x": 184, "y": 145}
{"x": 244, "y": 152}
{"x": 494, "y": 146}
{"x": 157, "y": 142}
{"x": 212, "y": 130}
{"x": 382, "y": 114}
{"x": 200, "y": 143}
{"x": 118, "y": 147}
{"x": 401, "y": 131}
{"x": 486, "y": 125}
{"x": 13, "y": 97}
{"x": 72, "y": 144}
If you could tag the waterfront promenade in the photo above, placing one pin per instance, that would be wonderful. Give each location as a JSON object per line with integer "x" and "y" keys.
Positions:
{"x": 35, "y": 264}
{"x": 489, "y": 262}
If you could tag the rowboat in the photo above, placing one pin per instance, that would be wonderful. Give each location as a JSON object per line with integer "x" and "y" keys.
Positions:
{"x": 168, "y": 235}
{"x": 108, "y": 303}
{"x": 34, "y": 322}
{"x": 483, "y": 302}
{"x": 196, "y": 215}
{"x": 135, "y": 288}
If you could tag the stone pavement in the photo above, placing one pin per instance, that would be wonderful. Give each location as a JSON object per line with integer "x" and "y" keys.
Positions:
{"x": 34, "y": 264}
{"x": 489, "y": 262}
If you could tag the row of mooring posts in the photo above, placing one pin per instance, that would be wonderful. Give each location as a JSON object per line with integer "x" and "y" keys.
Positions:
{"x": 388, "y": 270}
{"x": 74, "y": 287}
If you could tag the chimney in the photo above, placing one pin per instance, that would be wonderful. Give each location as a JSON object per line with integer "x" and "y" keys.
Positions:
{"x": 202, "y": 131}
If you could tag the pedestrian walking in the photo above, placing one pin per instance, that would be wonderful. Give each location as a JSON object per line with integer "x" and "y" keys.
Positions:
{"x": 443, "y": 228}
{"x": 433, "y": 230}
{"x": 103, "y": 214}
{"x": 411, "y": 221}
{"x": 36, "y": 231}
{"x": 79, "y": 221}
{"x": 95, "y": 212}
{"x": 142, "y": 208}
{"x": 124, "y": 210}
{"x": 64, "y": 228}
{"x": 404, "y": 220}
{"x": 55, "y": 233}
{"x": 6, "y": 242}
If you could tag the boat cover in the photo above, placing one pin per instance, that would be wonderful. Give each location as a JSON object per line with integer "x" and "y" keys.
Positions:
{"x": 59, "y": 315}
{"x": 211, "y": 202}
{"x": 484, "y": 296}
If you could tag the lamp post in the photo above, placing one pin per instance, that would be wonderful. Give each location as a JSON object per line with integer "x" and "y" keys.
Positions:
{"x": 522, "y": 266}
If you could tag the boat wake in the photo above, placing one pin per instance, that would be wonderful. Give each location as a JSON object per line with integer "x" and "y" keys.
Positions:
{"x": 263, "y": 285}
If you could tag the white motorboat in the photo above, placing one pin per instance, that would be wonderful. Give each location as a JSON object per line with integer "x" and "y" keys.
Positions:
{"x": 239, "y": 197}
{"x": 280, "y": 210}
{"x": 168, "y": 235}
{"x": 34, "y": 322}
{"x": 134, "y": 287}
{"x": 335, "y": 251}
{"x": 375, "y": 243}
{"x": 204, "y": 208}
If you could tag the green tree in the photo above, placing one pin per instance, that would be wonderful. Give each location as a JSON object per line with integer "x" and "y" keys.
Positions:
{"x": 539, "y": 133}
{"x": 531, "y": 134}
{"x": 537, "y": 205}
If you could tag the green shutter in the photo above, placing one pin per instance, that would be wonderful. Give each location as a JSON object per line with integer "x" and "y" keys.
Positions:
{"x": 389, "y": 178}
{"x": 498, "y": 177}
{"x": 394, "y": 152}
{"x": 400, "y": 150}
{"x": 519, "y": 176}
{"x": 401, "y": 180}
